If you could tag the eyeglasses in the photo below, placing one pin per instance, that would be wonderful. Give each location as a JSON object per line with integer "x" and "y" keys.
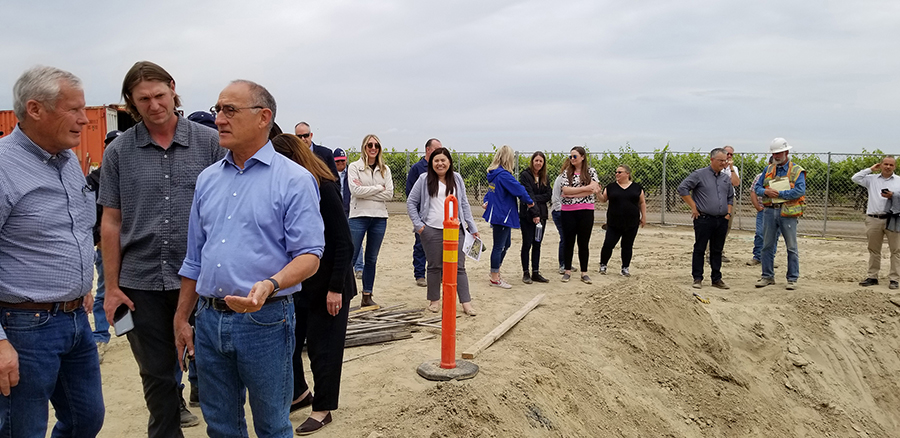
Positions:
{"x": 574, "y": 156}
{"x": 304, "y": 135}
{"x": 373, "y": 146}
{"x": 229, "y": 110}
{"x": 619, "y": 171}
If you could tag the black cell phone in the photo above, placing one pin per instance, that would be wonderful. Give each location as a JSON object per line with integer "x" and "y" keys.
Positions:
{"x": 884, "y": 190}
{"x": 185, "y": 359}
{"x": 122, "y": 320}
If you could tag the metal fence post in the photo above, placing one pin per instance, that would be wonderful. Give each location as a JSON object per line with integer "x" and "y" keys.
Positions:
{"x": 665, "y": 193}
{"x": 827, "y": 187}
{"x": 741, "y": 192}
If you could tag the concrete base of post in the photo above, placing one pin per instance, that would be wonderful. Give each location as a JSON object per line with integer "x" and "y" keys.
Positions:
{"x": 432, "y": 370}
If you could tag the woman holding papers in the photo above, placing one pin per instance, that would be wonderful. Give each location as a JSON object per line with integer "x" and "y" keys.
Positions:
{"x": 425, "y": 206}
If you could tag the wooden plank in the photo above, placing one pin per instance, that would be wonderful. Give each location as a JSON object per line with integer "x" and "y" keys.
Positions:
{"x": 376, "y": 339}
{"x": 501, "y": 329}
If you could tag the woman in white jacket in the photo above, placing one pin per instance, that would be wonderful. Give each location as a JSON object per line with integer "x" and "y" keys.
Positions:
{"x": 370, "y": 187}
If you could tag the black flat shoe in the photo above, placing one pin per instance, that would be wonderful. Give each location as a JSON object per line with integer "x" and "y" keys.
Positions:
{"x": 304, "y": 402}
{"x": 539, "y": 278}
{"x": 311, "y": 426}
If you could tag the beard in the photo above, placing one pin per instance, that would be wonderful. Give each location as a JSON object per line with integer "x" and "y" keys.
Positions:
{"x": 780, "y": 161}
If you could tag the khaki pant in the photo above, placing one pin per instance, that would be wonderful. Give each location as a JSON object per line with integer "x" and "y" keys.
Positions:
{"x": 876, "y": 233}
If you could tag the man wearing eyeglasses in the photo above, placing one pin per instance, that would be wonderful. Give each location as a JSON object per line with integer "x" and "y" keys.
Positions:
{"x": 415, "y": 171}
{"x": 147, "y": 184}
{"x": 255, "y": 233}
{"x": 709, "y": 193}
{"x": 306, "y": 137}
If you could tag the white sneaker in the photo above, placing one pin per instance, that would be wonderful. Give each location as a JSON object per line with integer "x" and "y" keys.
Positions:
{"x": 501, "y": 283}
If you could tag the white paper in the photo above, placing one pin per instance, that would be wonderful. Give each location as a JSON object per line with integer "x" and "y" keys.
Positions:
{"x": 472, "y": 246}
{"x": 781, "y": 184}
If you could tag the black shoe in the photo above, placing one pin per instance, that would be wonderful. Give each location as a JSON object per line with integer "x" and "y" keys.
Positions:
{"x": 367, "y": 301}
{"x": 304, "y": 402}
{"x": 311, "y": 426}
{"x": 187, "y": 418}
{"x": 526, "y": 278}
{"x": 894, "y": 285}
{"x": 869, "y": 282}
{"x": 539, "y": 278}
{"x": 195, "y": 397}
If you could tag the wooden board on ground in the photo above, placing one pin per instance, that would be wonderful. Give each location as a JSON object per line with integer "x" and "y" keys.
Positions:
{"x": 501, "y": 329}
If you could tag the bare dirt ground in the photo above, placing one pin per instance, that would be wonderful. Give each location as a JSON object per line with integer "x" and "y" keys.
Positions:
{"x": 623, "y": 357}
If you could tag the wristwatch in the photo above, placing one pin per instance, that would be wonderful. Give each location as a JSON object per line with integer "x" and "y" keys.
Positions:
{"x": 277, "y": 287}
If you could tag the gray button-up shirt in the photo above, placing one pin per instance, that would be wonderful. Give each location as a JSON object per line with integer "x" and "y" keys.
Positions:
{"x": 46, "y": 219}
{"x": 153, "y": 187}
{"x": 711, "y": 192}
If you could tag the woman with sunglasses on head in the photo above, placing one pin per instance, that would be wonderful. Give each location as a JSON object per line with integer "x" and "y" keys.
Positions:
{"x": 425, "y": 206}
{"x": 371, "y": 186}
{"x": 626, "y": 213}
{"x": 534, "y": 179}
{"x": 500, "y": 208}
{"x": 324, "y": 302}
{"x": 579, "y": 184}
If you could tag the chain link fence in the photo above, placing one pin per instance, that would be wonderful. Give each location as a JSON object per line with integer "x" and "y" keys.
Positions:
{"x": 835, "y": 206}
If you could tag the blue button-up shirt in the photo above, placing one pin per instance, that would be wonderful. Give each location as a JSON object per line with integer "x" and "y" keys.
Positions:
{"x": 782, "y": 170}
{"x": 248, "y": 224}
{"x": 46, "y": 219}
{"x": 712, "y": 192}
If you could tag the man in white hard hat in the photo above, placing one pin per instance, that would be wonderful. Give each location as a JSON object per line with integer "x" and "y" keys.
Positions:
{"x": 782, "y": 189}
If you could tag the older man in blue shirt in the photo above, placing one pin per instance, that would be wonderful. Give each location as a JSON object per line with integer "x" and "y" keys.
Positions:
{"x": 255, "y": 232}
{"x": 47, "y": 214}
{"x": 783, "y": 207}
{"x": 709, "y": 193}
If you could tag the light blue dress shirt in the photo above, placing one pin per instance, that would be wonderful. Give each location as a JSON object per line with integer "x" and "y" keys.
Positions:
{"x": 247, "y": 224}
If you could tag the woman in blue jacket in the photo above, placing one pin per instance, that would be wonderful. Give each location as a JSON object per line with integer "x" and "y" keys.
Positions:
{"x": 501, "y": 209}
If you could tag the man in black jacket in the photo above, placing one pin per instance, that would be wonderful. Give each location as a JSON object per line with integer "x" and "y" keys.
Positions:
{"x": 306, "y": 136}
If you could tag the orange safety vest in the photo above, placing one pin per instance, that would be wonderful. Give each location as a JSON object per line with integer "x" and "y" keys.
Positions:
{"x": 793, "y": 207}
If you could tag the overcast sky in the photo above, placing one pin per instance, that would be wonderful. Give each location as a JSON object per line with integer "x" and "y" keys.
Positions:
{"x": 536, "y": 75}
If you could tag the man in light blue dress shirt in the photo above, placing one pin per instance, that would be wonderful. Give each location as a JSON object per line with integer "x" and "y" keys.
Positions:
{"x": 47, "y": 214}
{"x": 255, "y": 232}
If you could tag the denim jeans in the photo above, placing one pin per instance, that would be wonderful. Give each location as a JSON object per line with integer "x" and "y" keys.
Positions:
{"x": 58, "y": 362}
{"x": 101, "y": 326}
{"x": 246, "y": 353}
{"x": 418, "y": 258}
{"x": 373, "y": 229}
{"x": 502, "y": 243}
{"x": 787, "y": 227}
{"x": 758, "y": 238}
{"x": 708, "y": 230}
{"x": 359, "y": 263}
{"x": 557, "y": 220}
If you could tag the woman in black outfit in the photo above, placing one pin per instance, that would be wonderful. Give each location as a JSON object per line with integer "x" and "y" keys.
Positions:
{"x": 627, "y": 211}
{"x": 534, "y": 178}
{"x": 323, "y": 304}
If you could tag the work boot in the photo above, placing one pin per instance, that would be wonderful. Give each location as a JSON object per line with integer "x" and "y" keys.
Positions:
{"x": 187, "y": 418}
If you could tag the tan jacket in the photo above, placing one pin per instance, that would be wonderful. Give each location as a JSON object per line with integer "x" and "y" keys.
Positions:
{"x": 367, "y": 197}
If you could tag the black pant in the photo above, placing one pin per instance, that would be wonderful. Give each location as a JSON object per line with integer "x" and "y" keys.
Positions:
{"x": 612, "y": 237}
{"x": 153, "y": 345}
{"x": 324, "y": 336}
{"x": 709, "y": 230}
{"x": 577, "y": 226}
{"x": 529, "y": 246}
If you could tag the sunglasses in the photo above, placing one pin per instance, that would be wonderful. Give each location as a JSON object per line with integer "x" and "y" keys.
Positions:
{"x": 304, "y": 135}
{"x": 619, "y": 171}
{"x": 373, "y": 146}
{"x": 574, "y": 156}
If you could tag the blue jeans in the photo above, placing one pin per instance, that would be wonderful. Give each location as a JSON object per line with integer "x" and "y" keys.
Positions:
{"x": 557, "y": 220}
{"x": 58, "y": 362}
{"x": 502, "y": 242}
{"x": 373, "y": 229}
{"x": 418, "y": 258}
{"x": 359, "y": 263}
{"x": 758, "y": 238}
{"x": 101, "y": 326}
{"x": 774, "y": 225}
{"x": 246, "y": 353}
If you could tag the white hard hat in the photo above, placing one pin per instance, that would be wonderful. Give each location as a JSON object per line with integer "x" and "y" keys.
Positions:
{"x": 779, "y": 145}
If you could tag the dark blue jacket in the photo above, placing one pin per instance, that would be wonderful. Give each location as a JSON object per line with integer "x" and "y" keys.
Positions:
{"x": 326, "y": 156}
{"x": 345, "y": 192}
{"x": 501, "y": 198}
{"x": 417, "y": 169}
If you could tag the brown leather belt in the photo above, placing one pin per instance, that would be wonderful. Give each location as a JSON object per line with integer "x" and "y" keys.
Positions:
{"x": 68, "y": 306}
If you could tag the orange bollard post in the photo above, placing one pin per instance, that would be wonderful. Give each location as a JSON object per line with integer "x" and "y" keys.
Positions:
{"x": 448, "y": 290}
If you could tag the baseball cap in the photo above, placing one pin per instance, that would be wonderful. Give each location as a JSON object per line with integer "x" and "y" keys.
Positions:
{"x": 204, "y": 118}
{"x": 779, "y": 145}
{"x": 110, "y": 136}
{"x": 339, "y": 154}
